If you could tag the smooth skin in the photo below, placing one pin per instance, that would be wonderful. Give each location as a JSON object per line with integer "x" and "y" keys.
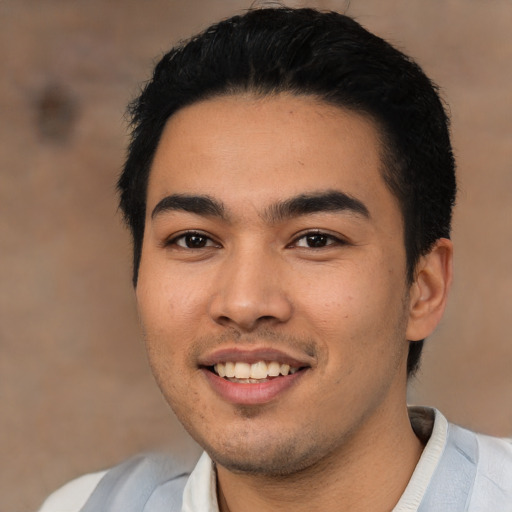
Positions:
{"x": 325, "y": 285}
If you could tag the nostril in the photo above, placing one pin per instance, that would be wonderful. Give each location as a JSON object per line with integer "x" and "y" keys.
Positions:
{"x": 224, "y": 320}
{"x": 267, "y": 318}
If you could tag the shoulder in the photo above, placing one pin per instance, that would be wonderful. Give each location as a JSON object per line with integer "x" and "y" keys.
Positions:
{"x": 72, "y": 496}
{"x": 494, "y": 471}
{"x": 492, "y": 459}
{"x": 132, "y": 483}
{"x": 494, "y": 449}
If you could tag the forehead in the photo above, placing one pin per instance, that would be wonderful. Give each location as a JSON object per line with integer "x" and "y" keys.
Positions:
{"x": 257, "y": 150}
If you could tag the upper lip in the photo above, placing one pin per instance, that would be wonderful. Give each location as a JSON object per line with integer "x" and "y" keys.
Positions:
{"x": 253, "y": 355}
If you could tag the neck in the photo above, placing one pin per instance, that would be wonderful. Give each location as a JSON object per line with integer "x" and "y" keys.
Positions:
{"x": 369, "y": 472}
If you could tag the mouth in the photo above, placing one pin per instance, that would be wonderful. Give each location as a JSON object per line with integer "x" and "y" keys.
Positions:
{"x": 254, "y": 376}
{"x": 259, "y": 372}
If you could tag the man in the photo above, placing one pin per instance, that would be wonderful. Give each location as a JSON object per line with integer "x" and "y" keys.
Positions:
{"x": 289, "y": 188}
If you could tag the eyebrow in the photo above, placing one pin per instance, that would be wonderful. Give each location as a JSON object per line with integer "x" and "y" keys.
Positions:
{"x": 303, "y": 204}
{"x": 200, "y": 205}
{"x": 307, "y": 204}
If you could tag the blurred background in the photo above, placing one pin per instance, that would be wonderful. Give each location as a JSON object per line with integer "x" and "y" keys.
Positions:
{"x": 75, "y": 391}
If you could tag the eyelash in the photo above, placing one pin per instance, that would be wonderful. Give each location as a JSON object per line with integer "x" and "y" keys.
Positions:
{"x": 188, "y": 234}
{"x": 334, "y": 240}
{"x": 209, "y": 242}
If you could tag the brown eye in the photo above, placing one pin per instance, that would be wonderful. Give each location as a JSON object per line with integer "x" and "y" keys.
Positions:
{"x": 193, "y": 241}
{"x": 316, "y": 241}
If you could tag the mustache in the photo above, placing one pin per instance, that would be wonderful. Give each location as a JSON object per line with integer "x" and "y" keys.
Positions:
{"x": 264, "y": 335}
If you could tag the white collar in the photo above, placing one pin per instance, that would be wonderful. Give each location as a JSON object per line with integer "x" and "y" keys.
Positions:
{"x": 200, "y": 493}
{"x": 423, "y": 421}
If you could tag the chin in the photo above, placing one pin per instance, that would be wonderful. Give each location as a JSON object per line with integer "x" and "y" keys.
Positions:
{"x": 276, "y": 465}
{"x": 280, "y": 458}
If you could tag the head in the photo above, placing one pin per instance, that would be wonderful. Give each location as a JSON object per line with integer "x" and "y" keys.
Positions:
{"x": 326, "y": 56}
{"x": 289, "y": 187}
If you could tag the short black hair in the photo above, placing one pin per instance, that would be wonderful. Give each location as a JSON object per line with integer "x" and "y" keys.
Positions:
{"x": 331, "y": 57}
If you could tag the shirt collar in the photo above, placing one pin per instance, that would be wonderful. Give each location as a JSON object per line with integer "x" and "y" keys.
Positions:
{"x": 200, "y": 493}
{"x": 431, "y": 427}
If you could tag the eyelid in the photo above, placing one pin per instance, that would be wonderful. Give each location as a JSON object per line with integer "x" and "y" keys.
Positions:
{"x": 172, "y": 239}
{"x": 337, "y": 238}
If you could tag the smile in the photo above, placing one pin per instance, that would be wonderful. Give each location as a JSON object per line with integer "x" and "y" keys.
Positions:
{"x": 253, "y": 376}
{"x": 255, "y": 373}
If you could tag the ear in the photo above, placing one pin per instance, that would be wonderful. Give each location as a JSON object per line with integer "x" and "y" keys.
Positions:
{"x": 429, "y": 291}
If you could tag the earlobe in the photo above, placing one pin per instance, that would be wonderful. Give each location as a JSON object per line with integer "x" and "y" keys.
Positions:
{"x": 429, "y": 292}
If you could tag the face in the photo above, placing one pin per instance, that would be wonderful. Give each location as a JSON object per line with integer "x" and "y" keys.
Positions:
{"x": 272, "y": 288}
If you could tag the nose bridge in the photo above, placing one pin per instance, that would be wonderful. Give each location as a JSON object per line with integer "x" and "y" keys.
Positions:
{"x": 250, "y": 288}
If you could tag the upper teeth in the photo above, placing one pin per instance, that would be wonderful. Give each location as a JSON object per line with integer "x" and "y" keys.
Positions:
{"x": 259, "y": 370}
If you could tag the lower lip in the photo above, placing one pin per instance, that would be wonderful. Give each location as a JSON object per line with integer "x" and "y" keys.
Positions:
{"x": 251, "y": 394}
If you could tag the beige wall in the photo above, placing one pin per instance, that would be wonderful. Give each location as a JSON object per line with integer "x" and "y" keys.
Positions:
{"x": 75, "y": 391}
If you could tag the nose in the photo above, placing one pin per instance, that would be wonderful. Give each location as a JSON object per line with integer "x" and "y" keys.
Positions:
{"x": 250, "y": 291}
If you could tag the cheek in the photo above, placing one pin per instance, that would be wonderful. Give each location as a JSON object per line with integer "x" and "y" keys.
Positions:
{"x": 167, "y": 325}
{"x": 334, "y": 295}
{"x": 354, "y": 308}
{"x": 168, "y": 303}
